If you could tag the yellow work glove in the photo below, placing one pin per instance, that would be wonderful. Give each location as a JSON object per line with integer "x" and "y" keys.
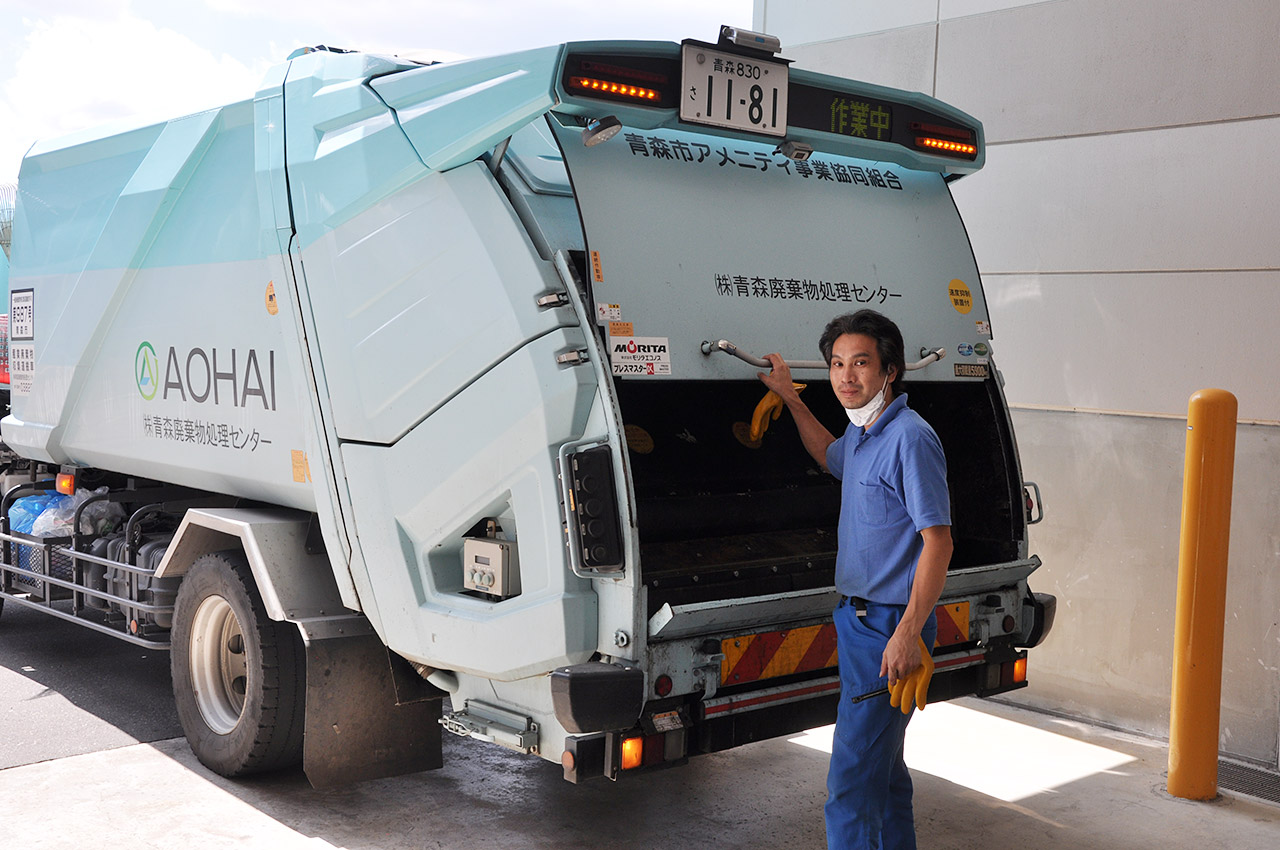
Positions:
{"x": 770, "y": 407}
{"x": 915, "y": 685}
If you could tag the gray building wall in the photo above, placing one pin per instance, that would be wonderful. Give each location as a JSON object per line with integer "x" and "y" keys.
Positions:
{"x": 1125, "y": 227}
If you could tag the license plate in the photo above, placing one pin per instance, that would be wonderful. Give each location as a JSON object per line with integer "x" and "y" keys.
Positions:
{"x": 732, "y": 91}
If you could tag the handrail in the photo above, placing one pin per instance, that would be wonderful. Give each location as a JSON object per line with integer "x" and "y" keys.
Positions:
{"x": 927, "y": 356}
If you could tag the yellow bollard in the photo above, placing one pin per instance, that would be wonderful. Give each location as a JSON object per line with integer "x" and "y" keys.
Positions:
{"x": 1202, "y": 595}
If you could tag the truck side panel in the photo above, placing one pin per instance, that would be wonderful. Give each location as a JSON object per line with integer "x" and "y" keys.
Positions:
{"x": 398, "y": 254}
{"x": 137, "y": 367}
{"x": 415, "y": 298}
{"x": 489, "y": 452}
{"x": 455, "y": 112}
{"x": 447, "y": 403}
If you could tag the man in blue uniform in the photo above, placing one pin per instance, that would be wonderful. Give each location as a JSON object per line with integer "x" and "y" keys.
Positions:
{"x": 894, "y": 548}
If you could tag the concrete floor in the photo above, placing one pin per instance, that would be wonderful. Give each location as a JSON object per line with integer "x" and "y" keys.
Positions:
{"x": 987, "y": 776}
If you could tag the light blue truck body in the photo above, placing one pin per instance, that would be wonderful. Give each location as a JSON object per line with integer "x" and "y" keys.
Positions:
{"x": 332, "y": 298}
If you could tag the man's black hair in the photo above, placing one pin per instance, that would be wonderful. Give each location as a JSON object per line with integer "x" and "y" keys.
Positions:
{"x": 877, "y": 326}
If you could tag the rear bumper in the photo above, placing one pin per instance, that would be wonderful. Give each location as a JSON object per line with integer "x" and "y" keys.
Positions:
{"x": 1042, "y": 608}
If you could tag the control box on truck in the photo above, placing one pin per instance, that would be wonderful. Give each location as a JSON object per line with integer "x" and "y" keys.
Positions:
{"x": 401, "y": 398}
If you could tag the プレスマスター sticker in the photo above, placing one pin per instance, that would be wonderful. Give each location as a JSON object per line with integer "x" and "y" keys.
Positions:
{"x": 640, "y": 355}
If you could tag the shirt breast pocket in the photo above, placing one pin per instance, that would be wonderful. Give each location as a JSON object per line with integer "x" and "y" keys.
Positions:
{"x": 873, "y": 503}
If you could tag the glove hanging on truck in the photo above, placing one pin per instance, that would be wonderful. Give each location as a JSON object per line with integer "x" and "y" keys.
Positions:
{"x": 770, "y": 407}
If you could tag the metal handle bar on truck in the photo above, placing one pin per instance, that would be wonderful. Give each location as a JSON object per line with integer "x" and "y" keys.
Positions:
{"x": 927, "y": 356}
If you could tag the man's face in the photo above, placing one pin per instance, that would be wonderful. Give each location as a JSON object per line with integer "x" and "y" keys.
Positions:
{"x": 856, "y": 373}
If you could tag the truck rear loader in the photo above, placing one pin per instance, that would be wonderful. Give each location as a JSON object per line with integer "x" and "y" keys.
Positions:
{"x": 425, "y": 390}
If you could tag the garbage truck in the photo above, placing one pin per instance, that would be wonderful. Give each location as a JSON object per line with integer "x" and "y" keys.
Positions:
{"x": 403, "y": 398}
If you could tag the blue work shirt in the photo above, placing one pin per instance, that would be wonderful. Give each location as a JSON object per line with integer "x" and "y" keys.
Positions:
{"x": 893, "y": 485}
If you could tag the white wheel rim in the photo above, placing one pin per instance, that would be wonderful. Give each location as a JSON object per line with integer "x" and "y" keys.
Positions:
{"x": 219, "y": 669}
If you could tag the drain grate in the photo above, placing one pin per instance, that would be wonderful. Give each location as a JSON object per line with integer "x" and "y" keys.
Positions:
{"x": 1243, "y": 779}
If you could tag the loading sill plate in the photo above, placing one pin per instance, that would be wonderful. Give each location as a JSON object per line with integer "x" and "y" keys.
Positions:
{"x": 678, "y": 621}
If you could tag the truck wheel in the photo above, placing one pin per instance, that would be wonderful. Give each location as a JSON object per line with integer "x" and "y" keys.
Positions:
{"x": 239, "y": 677}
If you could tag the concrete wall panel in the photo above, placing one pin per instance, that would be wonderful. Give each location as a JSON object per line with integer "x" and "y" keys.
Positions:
{"x": 1112, "y": 487}
{"x": 808, "y": 21}
{"x": 902, "y": 58}
{"x": 1124, "y": 225}
{"x": 1092, "y": 66}
{"x": 1198, "y": 197}
{"x": 963, "y": 8}
{"x": 1138, "y": 343}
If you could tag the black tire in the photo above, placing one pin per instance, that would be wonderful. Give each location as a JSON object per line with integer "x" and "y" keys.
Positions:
{"x": 239, "y": 677}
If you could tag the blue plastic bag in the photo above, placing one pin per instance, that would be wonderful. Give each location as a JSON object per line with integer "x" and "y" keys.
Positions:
{"x": 23, "y": 512}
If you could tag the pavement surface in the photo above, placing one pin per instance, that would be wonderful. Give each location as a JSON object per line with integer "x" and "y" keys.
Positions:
{"x": 66, "y": 690}
{"x": 90, "y": 756}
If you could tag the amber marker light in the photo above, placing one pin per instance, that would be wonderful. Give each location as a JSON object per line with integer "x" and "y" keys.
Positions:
{"x": 947, "y": 146}
{"x": 609, "y": 87}
{"x": 66, "y": 483}
{"x": 1020, "y": 670}
{"x": 632, "y": 752}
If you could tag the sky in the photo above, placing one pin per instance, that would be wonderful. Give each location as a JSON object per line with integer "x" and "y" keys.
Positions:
{"x": 66, "y": 65}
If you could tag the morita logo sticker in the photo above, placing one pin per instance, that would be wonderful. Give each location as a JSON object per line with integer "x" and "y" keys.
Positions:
{"x": 641, "y": 355}
{"x": 635, "y": 346}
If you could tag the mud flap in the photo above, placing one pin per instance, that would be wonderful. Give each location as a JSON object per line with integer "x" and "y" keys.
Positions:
{"x": 355, "y": 727}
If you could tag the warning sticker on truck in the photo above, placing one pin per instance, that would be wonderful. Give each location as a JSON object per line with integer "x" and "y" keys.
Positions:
{"x": 640, "y": 355}
{"x": 22, "y": 351}
{"x": 22, "y": 367}
{"x": 22, "y": 314}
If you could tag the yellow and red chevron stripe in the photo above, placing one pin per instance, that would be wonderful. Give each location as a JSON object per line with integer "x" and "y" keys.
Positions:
{"x": 953, "y": 624}
{"x": 749, "y": 658}
{"x": 767, "y": 655}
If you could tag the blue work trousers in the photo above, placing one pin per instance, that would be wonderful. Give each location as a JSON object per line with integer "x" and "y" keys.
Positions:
{"x": 868, "y": 786}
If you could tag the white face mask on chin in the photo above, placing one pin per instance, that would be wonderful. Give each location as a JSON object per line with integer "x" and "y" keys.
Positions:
{"x": 865, "y": 415}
